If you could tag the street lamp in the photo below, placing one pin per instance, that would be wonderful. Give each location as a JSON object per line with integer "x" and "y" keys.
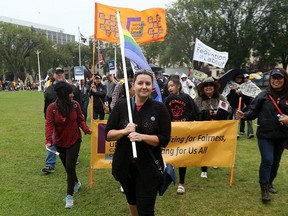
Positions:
{"x": 39, "y": 86}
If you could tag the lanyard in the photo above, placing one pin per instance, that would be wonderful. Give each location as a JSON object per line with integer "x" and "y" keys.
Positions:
{"x": 275, "y": 104}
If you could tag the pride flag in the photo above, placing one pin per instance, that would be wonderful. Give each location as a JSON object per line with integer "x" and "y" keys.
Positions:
{"x": 133, "y": 52}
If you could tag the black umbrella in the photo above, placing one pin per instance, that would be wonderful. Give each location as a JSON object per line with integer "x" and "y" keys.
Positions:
{"x": 155, "y": 68}
{"x": 230, "y": 75}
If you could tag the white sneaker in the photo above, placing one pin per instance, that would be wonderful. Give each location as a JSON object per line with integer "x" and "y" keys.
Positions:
{"x": 203, "y": 175}
{"x": 121, "y": 189}
{"x": 69, "y": 201}
{"x": 77, "y": 186}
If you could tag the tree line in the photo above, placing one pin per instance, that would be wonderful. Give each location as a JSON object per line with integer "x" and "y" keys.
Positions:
{"x": 244, "y": 29}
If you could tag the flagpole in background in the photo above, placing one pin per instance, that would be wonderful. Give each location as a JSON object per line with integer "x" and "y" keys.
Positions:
{"x": 121, "y": 36}
{"x": 79, "y": 36}
{"x": 115, "y": 60}
{"x": 93, "y": 58}
{"x": 98, "y": 55}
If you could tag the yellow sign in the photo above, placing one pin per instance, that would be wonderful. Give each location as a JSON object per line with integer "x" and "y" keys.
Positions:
{"x": 202, "y": 143}
{"x": 145, "y": 26}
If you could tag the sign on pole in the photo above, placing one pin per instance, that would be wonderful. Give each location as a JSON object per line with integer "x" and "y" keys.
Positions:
{"x": 79, "y": 72}
{"x": 112, "y": 68}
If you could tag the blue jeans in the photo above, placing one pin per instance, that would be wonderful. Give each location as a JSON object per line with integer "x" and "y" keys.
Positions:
{"x": 85, "y": 108}
{"x": 51, "y": 157}
{"x": 249, "y": 126}
{"x": 271, "y": 151}
{"x": 101, "y": 115}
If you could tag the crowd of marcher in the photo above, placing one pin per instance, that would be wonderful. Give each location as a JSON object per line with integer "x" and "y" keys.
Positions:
{"x": 17, "y": 85}
{"x": 65, "y": 110}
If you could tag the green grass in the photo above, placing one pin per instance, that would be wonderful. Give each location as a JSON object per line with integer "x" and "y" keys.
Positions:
{"x": 26, "y": 191}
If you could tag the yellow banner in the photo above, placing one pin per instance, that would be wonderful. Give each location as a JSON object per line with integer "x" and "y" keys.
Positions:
{"x": 203, "y": 143}
{"x": 145, "y": 26}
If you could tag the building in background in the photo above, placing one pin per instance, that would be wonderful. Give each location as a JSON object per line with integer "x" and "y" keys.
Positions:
{"x": 54, "y": 34}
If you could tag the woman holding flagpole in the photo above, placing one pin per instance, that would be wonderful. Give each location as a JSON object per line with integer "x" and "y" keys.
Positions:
{"x": 151, "y": 130}
{"x": 181, "y": 107}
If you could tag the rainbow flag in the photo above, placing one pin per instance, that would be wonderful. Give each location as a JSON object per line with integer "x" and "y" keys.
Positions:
{"x": 133, "y": 52}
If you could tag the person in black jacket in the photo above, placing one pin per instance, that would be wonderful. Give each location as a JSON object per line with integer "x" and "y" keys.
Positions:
{"x": 272, "y": 135}
{"x": 98, "y": 91}
{"x": 140, "y": 177}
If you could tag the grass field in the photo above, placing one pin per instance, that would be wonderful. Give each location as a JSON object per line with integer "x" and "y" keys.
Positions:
{"x": 25, "y": 190}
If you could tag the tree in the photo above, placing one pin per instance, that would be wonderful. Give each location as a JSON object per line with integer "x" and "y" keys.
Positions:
{"x": 16, "y": 46}
{"x": 272, "y": 46}
{"x": 225, "y": 25}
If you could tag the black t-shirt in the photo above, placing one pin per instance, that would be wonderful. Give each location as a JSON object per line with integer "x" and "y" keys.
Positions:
{"x": 182, "y": 107}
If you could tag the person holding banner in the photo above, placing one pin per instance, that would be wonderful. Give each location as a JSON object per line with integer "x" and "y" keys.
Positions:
{"x": 181, "y": 107}
{"x": 212, "y": 104}
{"x": 63, "y": 119}
{"x": 151, "y": 130}
{"x": 269, "y": 107}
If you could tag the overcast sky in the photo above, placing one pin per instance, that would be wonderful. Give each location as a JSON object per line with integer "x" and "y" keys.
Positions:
{"x": 68, "y": 14}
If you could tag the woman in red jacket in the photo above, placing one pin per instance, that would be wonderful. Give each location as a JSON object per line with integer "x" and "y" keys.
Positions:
{"x": 64, "y": 117}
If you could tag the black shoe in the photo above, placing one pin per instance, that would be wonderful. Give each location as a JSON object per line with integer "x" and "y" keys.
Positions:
{"x": 271, "y": 189}
{"x": 48, "y": 169}
{"x": 265, "y": 193}
{"x": 251, "y": 136}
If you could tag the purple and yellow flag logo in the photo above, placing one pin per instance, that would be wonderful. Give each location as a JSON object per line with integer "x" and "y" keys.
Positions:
{"x": 145, "y": 26}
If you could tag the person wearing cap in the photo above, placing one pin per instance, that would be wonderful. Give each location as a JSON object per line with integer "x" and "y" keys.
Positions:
{"x": 64, "y": 117}
{"x": 49, "y": 97}
{"x": 272, "y": 133}
{"x": 187, "y": 111}
{"x": 187, "y": 86}
{"x": 208, "y": 102}
{"x": 98, "y": 91}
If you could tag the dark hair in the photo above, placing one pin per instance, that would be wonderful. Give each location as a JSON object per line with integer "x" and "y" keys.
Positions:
{"x": 64, "y": 103}
{"x": 143, "y": 72}
{"x": 284, "y": 92}
{"x": 123, "y": 92}
{"x": 176, "y": 81}
{"x": 173, "y": 76}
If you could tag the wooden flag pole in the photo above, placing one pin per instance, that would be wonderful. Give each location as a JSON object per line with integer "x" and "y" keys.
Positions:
{"x": 232, "y": 169}
{"x": 91, "y": 116}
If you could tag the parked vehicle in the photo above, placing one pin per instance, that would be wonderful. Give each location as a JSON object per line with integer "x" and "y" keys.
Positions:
{"x": 263, "y": 82}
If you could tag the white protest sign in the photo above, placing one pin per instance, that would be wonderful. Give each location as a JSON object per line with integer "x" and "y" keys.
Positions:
{"x": 204, "y": 53}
